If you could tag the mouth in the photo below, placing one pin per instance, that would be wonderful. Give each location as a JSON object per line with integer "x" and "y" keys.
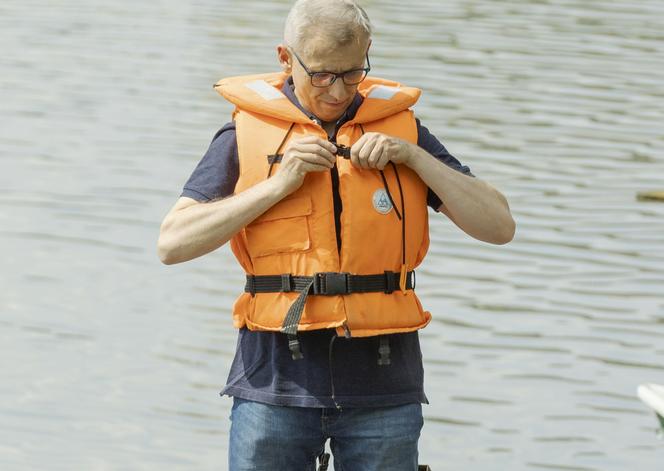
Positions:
{"x": 335, "y": 106}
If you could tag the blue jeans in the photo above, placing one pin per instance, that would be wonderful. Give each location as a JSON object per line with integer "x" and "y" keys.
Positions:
{"x": 264, "y": 437}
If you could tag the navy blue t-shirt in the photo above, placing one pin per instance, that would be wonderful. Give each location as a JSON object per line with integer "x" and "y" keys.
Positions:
{"x": 335, "y": 370}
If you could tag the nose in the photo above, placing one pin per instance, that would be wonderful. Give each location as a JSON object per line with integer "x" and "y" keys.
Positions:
{"x": 338, "y": 90}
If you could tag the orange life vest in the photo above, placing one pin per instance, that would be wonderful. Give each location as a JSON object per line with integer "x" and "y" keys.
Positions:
{"x": 297, "y": 235}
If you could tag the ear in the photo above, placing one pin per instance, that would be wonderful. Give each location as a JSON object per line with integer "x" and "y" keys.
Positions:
{"x": 284, "y": 57}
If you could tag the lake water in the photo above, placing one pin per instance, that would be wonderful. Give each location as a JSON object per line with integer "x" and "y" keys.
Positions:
{"x": 111, "y": 361}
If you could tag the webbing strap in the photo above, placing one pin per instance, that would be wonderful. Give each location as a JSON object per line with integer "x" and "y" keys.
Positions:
{"x": 292, "y": 320}
{"x": 328, "y": 283}
{"x": 324, "y": 284}
{"x": 295, "y": 312}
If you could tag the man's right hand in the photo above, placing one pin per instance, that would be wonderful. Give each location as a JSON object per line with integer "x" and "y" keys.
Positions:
{"x": 192, "y": 229}
{"x": 304, "y": 155}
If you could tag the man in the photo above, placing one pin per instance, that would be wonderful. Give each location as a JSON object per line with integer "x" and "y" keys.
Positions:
{"x": 321, "y": 183}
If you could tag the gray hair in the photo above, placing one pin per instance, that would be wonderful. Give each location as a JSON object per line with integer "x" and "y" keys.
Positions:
{"x": 341, "y": 22}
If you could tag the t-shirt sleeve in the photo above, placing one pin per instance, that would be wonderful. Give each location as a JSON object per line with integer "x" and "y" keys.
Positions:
{"x": 217, "y": 173}
{"x": 433, "y": 146}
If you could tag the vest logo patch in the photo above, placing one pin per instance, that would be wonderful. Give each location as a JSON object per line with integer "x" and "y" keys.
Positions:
{"x": 381, "y": 202}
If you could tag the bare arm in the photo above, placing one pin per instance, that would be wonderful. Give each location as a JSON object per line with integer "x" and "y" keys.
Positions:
{"x": 473, "y": 205}
{"x": 191, "y": 229}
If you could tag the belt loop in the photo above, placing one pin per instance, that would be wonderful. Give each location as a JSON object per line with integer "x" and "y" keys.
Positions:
{"x": 318, "y": 286}
{"x": 286, "y": 283}
{"x": 390, "y": 285}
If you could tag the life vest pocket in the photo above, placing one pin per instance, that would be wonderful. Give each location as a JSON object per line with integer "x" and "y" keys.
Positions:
{"x": 284, "y": 228}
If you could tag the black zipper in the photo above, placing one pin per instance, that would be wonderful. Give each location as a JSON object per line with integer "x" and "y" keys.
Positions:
{"x": 338, "y": 206}
{"x": 336, "y": 196}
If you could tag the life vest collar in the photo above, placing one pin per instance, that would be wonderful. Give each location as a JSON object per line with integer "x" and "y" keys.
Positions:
{"x": 262, "y": 94}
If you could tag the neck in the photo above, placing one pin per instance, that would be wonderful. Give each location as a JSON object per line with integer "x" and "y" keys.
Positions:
{"x": 329, "y": 128}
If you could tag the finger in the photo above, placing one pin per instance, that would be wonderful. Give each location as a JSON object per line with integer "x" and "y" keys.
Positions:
{"x": 375, "y": 155}
{"x": 314, "y": 158}
{"x": 325, "y": 144}
{"x": 365, "y": 152}
{"x": 383, "y": 160}
{"x": 331, "y": 148}
{"x": 355, "y": 150}
{"x": 312, "y": 140}
{"x": 313, "y": 148}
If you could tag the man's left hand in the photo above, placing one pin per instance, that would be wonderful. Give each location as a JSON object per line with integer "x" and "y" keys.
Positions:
{"x": 374, "y": 150}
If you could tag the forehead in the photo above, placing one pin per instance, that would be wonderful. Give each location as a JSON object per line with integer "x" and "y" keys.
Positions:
{"x": 323, "y": 55}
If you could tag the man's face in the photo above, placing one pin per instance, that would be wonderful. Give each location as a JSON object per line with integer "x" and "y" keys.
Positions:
{"x": 328, "y": 103}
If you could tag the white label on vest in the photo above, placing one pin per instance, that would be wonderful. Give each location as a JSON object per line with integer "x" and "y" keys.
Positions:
{"x": 383, "y": 92}
{"x": 265, "y": 90}
{"x": 381, "y": 202}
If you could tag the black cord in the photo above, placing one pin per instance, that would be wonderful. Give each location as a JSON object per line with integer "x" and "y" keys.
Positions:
{"x": 389, "y": 194}
{"x": 403, "y": 206}
{"x": 276, "y": 157}
{"x": 403, "y": 219}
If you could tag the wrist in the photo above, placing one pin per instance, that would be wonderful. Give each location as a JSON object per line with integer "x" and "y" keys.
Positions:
{"x": 416, "y": 157}
{"x": 283, "y": 184}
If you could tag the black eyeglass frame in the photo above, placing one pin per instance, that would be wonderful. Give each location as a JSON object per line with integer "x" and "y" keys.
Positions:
{"x": 334, "y": 75}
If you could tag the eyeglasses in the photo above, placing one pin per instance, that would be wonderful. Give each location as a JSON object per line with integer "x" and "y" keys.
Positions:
{"x": 325, "y": 79}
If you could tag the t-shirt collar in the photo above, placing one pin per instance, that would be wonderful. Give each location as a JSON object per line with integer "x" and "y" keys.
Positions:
{"x": 288, "y": 89}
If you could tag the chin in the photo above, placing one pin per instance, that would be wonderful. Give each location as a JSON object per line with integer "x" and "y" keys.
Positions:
{"x": 329, "y": 117}
{"x": 331, "y": 113}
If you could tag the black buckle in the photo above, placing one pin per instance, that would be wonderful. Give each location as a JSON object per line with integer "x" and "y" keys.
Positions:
{"x": 342, "y": 150}
{"x": 390, "y": 283}
{"x": 330, "y": 283}
{"x": 286, "y": 283}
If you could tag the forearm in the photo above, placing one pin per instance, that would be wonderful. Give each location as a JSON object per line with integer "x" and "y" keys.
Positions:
{"x": 196, "y": 229}
{"x": 472, "y": 204}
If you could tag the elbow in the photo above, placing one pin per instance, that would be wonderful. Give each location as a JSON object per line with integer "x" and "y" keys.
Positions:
{"x": 165, "y": 255}
{"x": 166, "y": 251}
{"x": 506, "y": 233}
{"x": 507, "y": 226}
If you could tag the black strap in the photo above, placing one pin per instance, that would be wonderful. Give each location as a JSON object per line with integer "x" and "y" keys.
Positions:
{"x": 324, "y": 284}
{"x": 328, "y": 283}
